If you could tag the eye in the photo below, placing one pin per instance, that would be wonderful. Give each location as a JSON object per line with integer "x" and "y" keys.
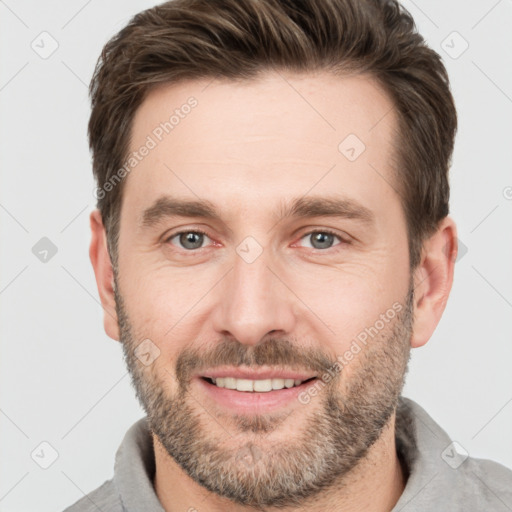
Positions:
{"x": 193, "y": 239}
{"x": 321, "y": 239}
{"x": 189, "y": 240}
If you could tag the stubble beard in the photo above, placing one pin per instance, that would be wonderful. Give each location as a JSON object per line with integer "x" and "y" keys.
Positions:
{"x": 243, "y": 462}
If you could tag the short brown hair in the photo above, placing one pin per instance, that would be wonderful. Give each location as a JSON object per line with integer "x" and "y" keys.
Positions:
{"x": 237, "y": 39}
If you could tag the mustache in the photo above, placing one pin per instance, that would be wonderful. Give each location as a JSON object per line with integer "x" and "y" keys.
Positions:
{"x": 273, "y": 352}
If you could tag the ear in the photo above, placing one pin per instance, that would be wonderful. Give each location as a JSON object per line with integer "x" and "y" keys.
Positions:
{"x": 102, "y": 265}
{"x": 433, "y": 280}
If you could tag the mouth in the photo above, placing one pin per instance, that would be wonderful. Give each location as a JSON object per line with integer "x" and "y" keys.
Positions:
{"x": 253, "y": 396}
{"x": 255, "y": 386}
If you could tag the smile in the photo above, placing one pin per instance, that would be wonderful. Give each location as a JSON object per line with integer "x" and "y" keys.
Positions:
{"x": 255, "y": 386}
{"x": 247, "y": 396}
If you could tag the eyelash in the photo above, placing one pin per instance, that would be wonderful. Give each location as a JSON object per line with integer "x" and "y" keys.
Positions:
{"x": 323, "y": 231}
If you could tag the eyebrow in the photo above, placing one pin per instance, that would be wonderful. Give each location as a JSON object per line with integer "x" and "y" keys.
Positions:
{"x": 302, "y": 207}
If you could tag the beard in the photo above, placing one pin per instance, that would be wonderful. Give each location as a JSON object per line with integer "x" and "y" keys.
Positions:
{"x": 234, "y": 456}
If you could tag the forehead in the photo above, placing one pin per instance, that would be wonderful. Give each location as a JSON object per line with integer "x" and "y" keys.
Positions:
{"x": 281, "y": 134}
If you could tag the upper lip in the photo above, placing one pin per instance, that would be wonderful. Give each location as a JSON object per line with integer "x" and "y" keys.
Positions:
{"x": 250, "y": 374}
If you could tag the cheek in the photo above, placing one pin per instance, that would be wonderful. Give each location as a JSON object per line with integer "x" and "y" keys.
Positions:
{"x": 162, "y": 306}
{"x": 350, "y": 300}
{"x": 147, "y": 303}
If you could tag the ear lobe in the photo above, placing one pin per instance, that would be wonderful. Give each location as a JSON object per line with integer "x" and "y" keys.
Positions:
{"x": 100, "y": 259}
{"x": 433, "y": 280}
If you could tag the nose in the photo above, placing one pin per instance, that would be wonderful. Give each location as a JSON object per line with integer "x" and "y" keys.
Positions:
{"x": 253, "y": 301}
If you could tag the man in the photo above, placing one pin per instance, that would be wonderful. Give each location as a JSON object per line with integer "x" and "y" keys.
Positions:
{"x": 272, "y": 237}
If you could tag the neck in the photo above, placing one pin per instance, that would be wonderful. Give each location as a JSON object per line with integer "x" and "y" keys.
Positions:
{"x": 376, "y": 484}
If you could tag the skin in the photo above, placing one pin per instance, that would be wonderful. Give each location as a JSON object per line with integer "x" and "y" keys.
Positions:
{"x": 247, "y": 147}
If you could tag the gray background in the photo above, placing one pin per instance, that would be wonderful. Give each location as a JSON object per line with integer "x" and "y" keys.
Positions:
{"x": 63, "y": 381}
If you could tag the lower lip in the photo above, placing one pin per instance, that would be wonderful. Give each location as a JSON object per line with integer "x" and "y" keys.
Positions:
{"x": 247, "y": 402}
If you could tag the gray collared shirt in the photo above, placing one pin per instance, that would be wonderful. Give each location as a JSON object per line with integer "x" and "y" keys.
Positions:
{"x": 440, "y": 478}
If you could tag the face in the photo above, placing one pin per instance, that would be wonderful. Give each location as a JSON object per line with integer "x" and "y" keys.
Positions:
{"x": 257, "y": 241}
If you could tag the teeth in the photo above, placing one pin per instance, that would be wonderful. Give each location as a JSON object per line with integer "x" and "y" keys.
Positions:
{"x": 259, "y": 386}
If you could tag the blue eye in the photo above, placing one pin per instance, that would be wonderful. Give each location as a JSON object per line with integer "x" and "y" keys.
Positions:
{"x": 189, "y": 240}
{"x": 192, "y": 240}
{"x": 321, "y": 239}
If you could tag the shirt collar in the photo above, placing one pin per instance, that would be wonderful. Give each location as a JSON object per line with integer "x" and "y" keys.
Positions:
{"x": 420, "y": 442}
{"x": 134, "y": 470}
